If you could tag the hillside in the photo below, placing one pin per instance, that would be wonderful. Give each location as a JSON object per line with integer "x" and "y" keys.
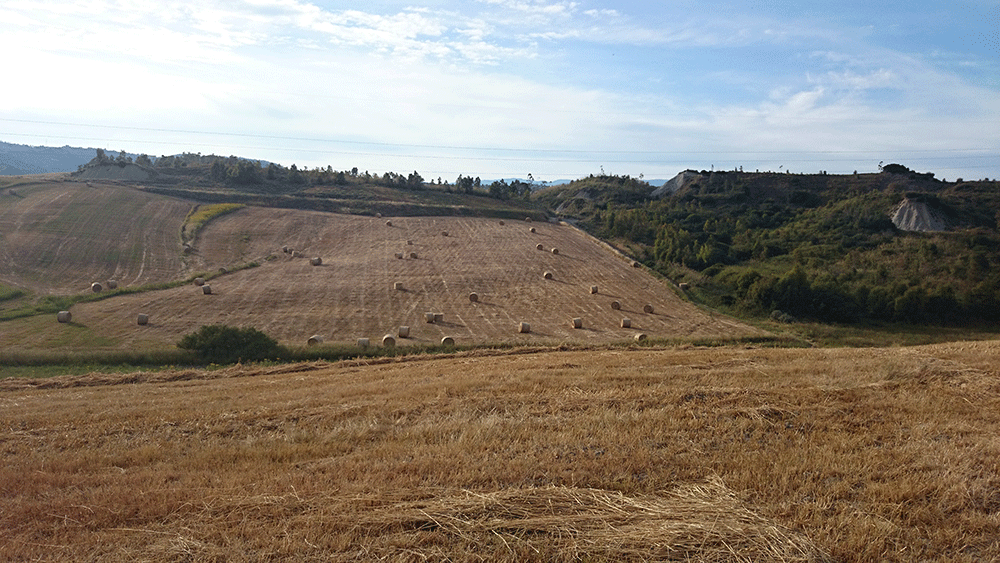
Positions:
{"x": 65, "y": 235}
{"x": 893, "y": 246}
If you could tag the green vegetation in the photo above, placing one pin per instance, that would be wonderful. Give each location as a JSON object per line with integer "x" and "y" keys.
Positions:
{"x": 200, "y": 215}
{"x": 9, "y": 293}
{"x": 226, "y": 345}
{"x": 807, "y": 247}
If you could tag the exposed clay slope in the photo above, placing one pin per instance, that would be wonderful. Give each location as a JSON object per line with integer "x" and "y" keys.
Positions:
{"x": 912, "y": 215}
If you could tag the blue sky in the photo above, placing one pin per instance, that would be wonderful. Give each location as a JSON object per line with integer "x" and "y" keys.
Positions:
{"x": 507, "y": 88}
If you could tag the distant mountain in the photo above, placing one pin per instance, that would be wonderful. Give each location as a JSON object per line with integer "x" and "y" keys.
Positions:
{"x": 24, "y": 159}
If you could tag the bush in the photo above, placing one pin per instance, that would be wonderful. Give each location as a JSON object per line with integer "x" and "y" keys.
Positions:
{"x": 223, "y": 344}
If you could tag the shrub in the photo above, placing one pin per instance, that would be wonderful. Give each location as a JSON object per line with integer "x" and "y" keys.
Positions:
{"x": 223, "y": 344}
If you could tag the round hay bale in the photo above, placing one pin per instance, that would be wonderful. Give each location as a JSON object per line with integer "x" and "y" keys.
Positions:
{"x": 547, "y": 275}
{"x": 199, "y": 281}
{"x": 206, "y": 289}
{"x": 142, "y": 319}
{"x": 524, "y": 328}
{"x": 635, "y": 264}
{"x": 96, "y": 287}
{"x": 409, "y": 243}
{"x": 223, "y": 271}
{"x": 404, "y": 332}
{"x": 413, "y": 255}
{"x": 398, "y": 286}
{"x": 363, "y": 343}
{"x": 640, "y": 337}
{"x": 593, "y": 289}
{"x": 555, "y": 251}
{"x": 388, "y": 223}
{"x": 501, "y": 221}
{"x": 683, "y": 286}
{"x": 444, "y": 233}
{"x": 540, "y": 246}
{"x": 399, "y": 255}
{"x": 474, "y": 297}
{"x": 626, "y": 323}
{"x": 531, "y": 230}
{"x": 296, "y": 254}
{"x": 616, "y": 305}
{"x": 447, "y": 341}
{"x": 577, "y": 322}
{"x": 438, "y": 317}
{"x": 429, "y": 317}
{"x": 527, "y": 219}
{"x": 64, "y": 316}
{"x": 112, "y": 284}
{"x": 285, "y": 249}
{"x": 647, "y": 309}
{"x": 317, "y": 261}
{"x": 314, "y": 340}
{"x": 388, "y": 341}
{"x": 378, "y": 215}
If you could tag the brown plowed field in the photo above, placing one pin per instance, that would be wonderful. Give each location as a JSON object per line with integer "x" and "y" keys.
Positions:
{"x": 59, "y": 237}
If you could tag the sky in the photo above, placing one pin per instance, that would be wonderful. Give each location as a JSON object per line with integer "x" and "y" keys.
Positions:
{"x": 508, "y": 88}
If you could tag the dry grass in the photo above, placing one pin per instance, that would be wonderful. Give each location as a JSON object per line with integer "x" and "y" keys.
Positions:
{"x": 677, "y": 454}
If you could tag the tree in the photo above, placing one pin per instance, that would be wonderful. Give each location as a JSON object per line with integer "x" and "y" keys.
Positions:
{"x": 144, "y": 160}
{"x": 223, "y": 344}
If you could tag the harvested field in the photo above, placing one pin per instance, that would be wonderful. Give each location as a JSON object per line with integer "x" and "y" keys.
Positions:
{"x": 674, "y": 454}
{"x": 58, "y": 237}
{"x": 350, "y": 295}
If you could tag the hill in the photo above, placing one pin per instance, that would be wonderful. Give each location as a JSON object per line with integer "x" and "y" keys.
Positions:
{"x": 16, "y": 160}
{"x": 822, "y": 247}
{"x": 63, "y": 236}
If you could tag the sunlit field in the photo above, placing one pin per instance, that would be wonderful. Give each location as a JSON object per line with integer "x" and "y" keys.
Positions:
{"x": 669, "y": 454}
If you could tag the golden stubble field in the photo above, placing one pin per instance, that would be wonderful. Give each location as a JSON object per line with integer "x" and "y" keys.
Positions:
{"x": 604, "y": 454}
{"x": 353, "y": 294}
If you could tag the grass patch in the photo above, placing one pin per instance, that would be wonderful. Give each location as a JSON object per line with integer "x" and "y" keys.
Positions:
{"x": 9, "y": 293}
{"x": 200, "y": 215}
